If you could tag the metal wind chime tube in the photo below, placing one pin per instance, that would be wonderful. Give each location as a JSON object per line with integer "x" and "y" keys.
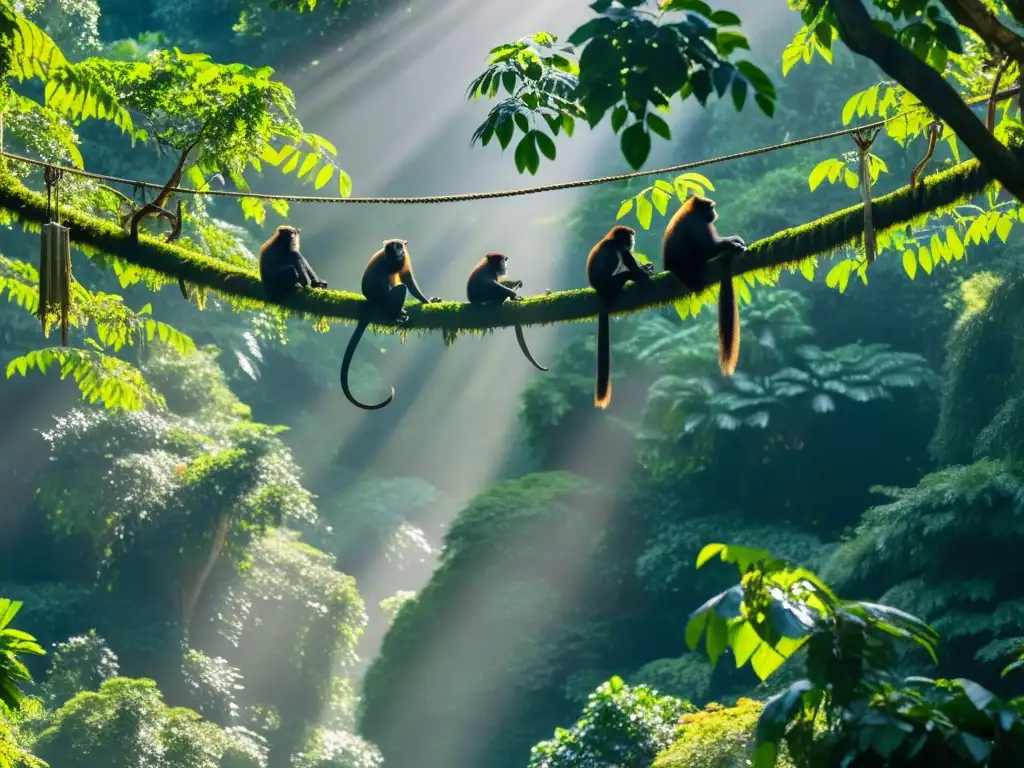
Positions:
{"x": 864, "y": 140}
{"x": 54, "y": 261}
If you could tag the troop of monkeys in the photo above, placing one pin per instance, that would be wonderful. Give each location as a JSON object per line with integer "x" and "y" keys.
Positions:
{"x": 690, "y": 243}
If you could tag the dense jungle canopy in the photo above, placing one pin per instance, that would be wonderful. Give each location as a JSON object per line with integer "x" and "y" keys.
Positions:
{"x": 208, "y": 559}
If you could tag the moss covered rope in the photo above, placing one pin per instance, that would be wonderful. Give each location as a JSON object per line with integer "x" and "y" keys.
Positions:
{"x": 822, "y": 237}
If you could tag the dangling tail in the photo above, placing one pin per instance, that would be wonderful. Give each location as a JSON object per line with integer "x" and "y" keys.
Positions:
{"x": 184, "y": 290}
{"x": 526, "y": 350}
{"x": 347, "y": 361}
{"x": 603, "y": 392}
{"x": 728, "y": 322}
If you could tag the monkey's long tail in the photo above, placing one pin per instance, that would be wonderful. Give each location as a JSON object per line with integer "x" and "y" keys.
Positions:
{"x": 603, "y": 392}
{"x": 526, "y": 350}
{"x": 728, "y": 322}
{"x": 350, "y": 350}
{"x": 184, "y": 290}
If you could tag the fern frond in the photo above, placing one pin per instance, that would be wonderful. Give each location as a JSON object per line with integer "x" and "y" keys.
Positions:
{"x": 100, "y": 377}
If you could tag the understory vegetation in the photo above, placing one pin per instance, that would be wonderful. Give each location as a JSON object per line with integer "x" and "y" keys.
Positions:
{"x": 813, "y": 562}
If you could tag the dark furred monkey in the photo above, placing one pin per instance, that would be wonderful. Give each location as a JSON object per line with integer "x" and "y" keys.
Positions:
{"x": 386, "y": 281}
{"x": 691, "y": 241}
{"x": 283, "y": 267}
{"x": 610, "y": 266}
{"x": 485, "y": 286}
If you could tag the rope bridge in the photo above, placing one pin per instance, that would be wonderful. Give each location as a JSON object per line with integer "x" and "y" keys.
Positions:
{"x": 786, "y": 249}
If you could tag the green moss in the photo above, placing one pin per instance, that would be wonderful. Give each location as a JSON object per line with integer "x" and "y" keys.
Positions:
{"x": 1003, "y": 438}
{"x": 717, "y": 737}
{"x": 769, "y": 256}
{"x": 984, "y": 366}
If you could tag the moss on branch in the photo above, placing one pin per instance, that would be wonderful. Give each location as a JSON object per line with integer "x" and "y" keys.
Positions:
{"x": 786, "y": 249}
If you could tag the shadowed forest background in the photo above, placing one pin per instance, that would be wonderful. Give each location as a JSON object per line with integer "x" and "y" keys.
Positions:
{"x": 247, "y": 572}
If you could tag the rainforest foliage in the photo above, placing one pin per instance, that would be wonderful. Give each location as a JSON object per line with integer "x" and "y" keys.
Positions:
{"x": 179, "y": 588}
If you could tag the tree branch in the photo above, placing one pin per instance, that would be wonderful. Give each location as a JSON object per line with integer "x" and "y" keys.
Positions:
{"x": 1016, "y": 9}
{"x": 975, "y": 16}
{"x": 860, "y": 35}
{"x": 821, "y": 238}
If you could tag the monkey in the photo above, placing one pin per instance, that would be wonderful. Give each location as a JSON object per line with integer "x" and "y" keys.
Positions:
{"x": 610, "y": 266}
{"x": 485, "y": 285}
{"x": 690, "y": 242}
{"x": 282, "y": 265}
{"x": 156, "y": 208}
{"x": 386, "y": 281}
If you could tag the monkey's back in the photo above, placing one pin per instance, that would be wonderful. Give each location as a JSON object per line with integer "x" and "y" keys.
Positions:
{"x": 479, "y": 286}
{"x": 272, "y": 255}
{"x": 602, "y": 261}
{"x": 376, "y": 278}
{"x": 683, "y": 249}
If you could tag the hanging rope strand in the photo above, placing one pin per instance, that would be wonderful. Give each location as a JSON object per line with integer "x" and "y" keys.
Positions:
{"x": 864, "y": 139}
{"x": 1009, "y": 92}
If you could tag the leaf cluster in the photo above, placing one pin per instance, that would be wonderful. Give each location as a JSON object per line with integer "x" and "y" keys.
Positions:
{"x": 851, "y": 705}
{"x": 622, "y": 726}
{"x": 636, "y": 56}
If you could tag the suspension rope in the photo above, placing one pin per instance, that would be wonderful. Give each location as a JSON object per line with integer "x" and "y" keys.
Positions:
{"x": 1001, "y": 96}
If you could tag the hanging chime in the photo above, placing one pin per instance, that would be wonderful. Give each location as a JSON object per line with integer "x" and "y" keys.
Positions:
{"x": 54, "y": 261}
{"x": 864, "y": 140}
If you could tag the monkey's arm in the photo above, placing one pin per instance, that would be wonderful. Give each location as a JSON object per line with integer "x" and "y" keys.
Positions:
{"x": 410, "y": 283}
{"x": 636, "y": 272}
{"x": 504, "y": 292}
{"x": 305, "y": 270}
{"x": 510, "y": 283}
{"x": 730, "y": 245}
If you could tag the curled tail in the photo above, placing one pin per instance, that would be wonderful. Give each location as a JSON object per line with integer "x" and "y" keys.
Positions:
{"x": 350, "y": 350}
{"x": 526, "y": 350}
{"x": 728, "y": 322}
{"x": 603, "y": 392}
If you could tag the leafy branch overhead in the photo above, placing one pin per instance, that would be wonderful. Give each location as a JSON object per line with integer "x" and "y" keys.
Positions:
{"x": 226, "y": 117}
{"x": 95, "y": 368}
{"x": 916, "y": 54}
{"x": 635, "y": 58}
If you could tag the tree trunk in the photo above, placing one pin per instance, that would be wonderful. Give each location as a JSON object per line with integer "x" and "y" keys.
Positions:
{"x": 860, "y": 35}
{"x": 193, "y": 587}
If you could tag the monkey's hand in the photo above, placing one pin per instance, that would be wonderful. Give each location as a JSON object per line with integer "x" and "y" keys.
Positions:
{"x": 434, "y": 300}
{"x": 514, "y": 283}
{"x": 402, "y": 318}
{"x": 515, "y": 297}
{"x": 648, "y": 268}
{"x": 319, "y": 283}
{"x": 736, "y": 243}
{"x": 548, "y": 292}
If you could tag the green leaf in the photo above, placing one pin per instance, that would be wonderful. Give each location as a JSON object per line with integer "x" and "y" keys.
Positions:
{"x": 910, "y": 263}
{"x": 716, "y": 638}
{"x": 644, "y": 211}
{"x": 618, "y": 119}
{"x": 527, "y": 157}
{"x": 636, "y": 145}
{"x": 625, "y": 208}
{"x": 545, "y": 144}
{"x": 658, "y": 126}
{"x": 323, "y": 176}
{"x": 709, "y": 551}
{"x": 739, "y": 93}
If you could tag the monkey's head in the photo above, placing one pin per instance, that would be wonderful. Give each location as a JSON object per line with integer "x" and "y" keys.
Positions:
{"x": 394, "y": 253}
{"x": 498, "y": 262}
{"x": 288, "y": 236}
{"x": 624, "y": 237}
{"x": 705, "y": 208}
